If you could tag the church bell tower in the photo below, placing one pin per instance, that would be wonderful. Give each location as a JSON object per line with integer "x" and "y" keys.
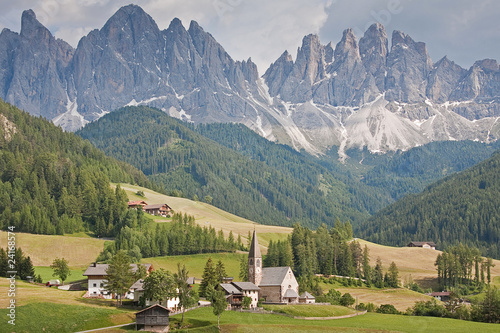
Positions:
{"x": 255, "y": 261}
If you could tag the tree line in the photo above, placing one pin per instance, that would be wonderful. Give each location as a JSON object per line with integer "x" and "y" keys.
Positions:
{"x": 463, "y": 265}
{"x": 181, "y": 236}
{"x": 329, "y": 252}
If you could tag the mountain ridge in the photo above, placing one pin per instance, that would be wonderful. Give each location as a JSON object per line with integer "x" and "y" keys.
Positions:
{"x": 360, "y": 93}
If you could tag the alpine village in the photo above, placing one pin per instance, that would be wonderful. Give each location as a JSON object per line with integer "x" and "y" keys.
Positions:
{"x": 149, "y": 182}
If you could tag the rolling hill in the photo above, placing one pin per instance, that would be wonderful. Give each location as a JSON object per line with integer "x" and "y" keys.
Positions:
{"x": 464, "y": 207}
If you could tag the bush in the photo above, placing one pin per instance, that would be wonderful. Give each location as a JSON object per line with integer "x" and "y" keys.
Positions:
{"x": 388, "y": 309}
{"x": 347, "y": 300}
{"x": 429, "y": 308}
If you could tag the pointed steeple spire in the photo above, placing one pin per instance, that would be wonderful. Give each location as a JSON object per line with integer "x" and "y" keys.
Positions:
{"x": 254, "y": 261}
{"x": 254, "y": 247}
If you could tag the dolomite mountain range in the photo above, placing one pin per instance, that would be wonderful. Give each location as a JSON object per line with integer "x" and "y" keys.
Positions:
{"x": 358, "y": 93}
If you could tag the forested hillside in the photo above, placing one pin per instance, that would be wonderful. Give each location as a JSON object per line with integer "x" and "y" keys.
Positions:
{"x": 52, "y": 182}
{"x": 270, "y": 184}
{"x": 411, "y": 171}
{"x": 461, "y": 208}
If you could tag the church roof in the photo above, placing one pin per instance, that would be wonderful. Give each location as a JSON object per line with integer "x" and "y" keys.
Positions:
{"x": 290, "y": 293}
{"x": 254, "y": 247}
{"x": 273, "y": 276}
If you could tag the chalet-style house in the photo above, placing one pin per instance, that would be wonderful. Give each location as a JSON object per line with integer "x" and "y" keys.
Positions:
{"x": 425, "y": 245}
{"x": 137, "y": 290}
{"x": 277, "y": 284}
{"x": 440, "y": 295}
{"x": 96, "y": 274}
{"x": 158, "y": 210}
{"x": 137, "y": 204}
{"x": 235, "y": 291}
{"x": 156, "y": 318}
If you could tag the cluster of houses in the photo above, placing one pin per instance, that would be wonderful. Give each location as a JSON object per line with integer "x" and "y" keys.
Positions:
{"x": 276, "y": 285}
{"x": 156, "y": 209}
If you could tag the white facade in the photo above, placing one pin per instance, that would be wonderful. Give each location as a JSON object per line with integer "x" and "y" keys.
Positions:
{"x": 96, "y": 288}
{"x": 254, "y": 295}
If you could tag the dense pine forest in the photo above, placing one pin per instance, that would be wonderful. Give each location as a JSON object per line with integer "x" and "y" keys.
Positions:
{"x": 274, "y": 185}
{"x": 461, "y": 208}
{"x": 52, "y": 182}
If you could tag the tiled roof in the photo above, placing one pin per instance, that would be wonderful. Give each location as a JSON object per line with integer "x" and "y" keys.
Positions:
{"x": 100, "y": 269}
{"x": 273, "y": 276}
{"x": 290, "y": 293}
{"x": 306, "y": 295}
{"x": 243, "y": 286}
{"x": 156, "y": 206}
{"x": 230, "y": 289}
{"x": 423, "y": 243}
{"x": 138, "y": 285}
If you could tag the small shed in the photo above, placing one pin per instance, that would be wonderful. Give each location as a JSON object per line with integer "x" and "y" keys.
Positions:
{"x": 153, "y": 319}
{"x": 307, "y": 298}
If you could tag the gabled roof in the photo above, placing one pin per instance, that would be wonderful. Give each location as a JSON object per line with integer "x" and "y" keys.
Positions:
{"x": 439, "y": 293}
{"x": 273, "y": 276}
{"x": 138, "y": 285}
{"x": 190, "y": 280}
{"x": 306, "y": 295}
{"x": 155, "y": 206}
{"x": 254, "y": 247}
{"x": 244, "y": 286}
{"x": 423, "y": 243}
{"x": 136, "y": 203}
{"x": 152, "y": 306}
{"x": 100, "y": 269}
{"x": 290, "y": 293}
{"x": 230, "y": 289}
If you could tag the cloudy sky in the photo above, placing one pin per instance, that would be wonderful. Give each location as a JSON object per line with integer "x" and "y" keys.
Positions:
{"x": 463, "y": 30}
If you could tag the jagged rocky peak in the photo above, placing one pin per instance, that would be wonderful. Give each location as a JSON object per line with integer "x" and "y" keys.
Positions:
{"x": 374, "y": 42}
{"x": 373, "y": 48}
{"x": 31, "y": 27}
{"x": 277, "y": 73}
{"x": 347, "y": 47}
{"x": 408, "y": 65}
{"x": 488, "y": 65}
{"x": 443, "y": 78}
{"x": 310, "y": 61}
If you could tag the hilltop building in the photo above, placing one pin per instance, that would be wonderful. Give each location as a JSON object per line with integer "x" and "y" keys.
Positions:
{"x": 277, "y": 284}
{"x": 425, "y": 245}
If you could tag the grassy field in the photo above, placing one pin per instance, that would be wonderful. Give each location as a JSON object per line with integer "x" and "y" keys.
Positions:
{"x": 304, "y": 310}
{"x": 79, "y": 250}
{"x": 417, "y": 263}
{"x": 46, "y": 274}
{"x": 50, "y": 317}
{"x": 248, "y": 322}
{"x": 401, "y": 298}
{"x": 195, "y": 263}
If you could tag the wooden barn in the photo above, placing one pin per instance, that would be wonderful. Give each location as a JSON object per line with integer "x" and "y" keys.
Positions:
{"x": 137, "y": 204}
{"x": 153, "y": 319}
{"x": 159, "y": 209}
